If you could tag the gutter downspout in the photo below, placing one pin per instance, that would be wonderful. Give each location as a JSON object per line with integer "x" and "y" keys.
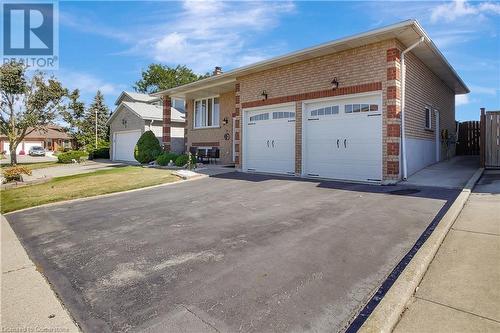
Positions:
{"x": 403, "y": 83}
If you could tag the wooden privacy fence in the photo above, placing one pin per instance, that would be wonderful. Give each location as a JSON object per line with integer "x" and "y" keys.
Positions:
{"x": 468, "y": 138}
{"x": 490, "y": 141}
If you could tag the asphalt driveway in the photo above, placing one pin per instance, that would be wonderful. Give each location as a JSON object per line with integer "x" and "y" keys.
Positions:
{"x": 231, "y": 253}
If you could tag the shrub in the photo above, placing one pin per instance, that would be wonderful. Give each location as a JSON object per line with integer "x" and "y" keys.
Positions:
{"x": 69, "y": 156}
{"x": 99, "y": 153}
{"x": 183, "y": 159}
{"x": 14, "y": 173}
{"x": 165, "y": 158}
{"x": 147, "y": 148}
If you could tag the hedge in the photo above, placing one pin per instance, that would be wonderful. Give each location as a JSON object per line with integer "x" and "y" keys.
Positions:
{"x": 165, "y": 158}
{"x": 69, "y": 156}
{"x": 183, "y": 159}
{"x": 99, "y": 153}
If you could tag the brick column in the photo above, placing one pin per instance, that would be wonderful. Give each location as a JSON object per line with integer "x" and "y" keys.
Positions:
{"x": 298, "y": 138}
{"x": 392, "y": 116}
{"x": 167, "y": 116}
{"x": 237, "y": 126}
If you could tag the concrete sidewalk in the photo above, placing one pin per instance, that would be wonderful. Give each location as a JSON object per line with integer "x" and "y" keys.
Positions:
{"x": 452, "y": 173}
{"x": 28, "y": 304}
{"x": 460, "y": 291}
{"x": 72, "y": 169}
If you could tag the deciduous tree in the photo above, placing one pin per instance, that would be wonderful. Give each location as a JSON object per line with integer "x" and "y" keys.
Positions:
{"x": 160, "y": 77}
{"x": 29, "y": 103}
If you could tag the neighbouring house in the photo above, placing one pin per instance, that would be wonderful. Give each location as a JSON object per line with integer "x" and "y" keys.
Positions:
{"x": 373, "y": 107}
{"x": 136, "y": 113}
{"x": 51, "y": 137}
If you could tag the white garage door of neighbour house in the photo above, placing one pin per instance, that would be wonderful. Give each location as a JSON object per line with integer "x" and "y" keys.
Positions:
{"x": 342, "y": 138}
{"x": 28, "y": 145}
{"x": 124, "y": 145}
{"x": 6, "y": 147}
{"x": 269, "y": 138}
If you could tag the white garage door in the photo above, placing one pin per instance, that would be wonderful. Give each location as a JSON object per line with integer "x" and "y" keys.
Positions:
{"x": 343, "y": 138}
{"x": 124, "y": 145}
{"x": 28, "y": 145}
{"x": 269, "y": 137}
{"x": 6, "y": 147}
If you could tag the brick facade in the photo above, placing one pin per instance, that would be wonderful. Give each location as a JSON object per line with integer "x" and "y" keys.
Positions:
{"x": 392, "y": 119}
{"x": 167, "y": 117}
{"x": 424, "y": 88}
{"x": 374, "y": 67}
{"x": 213, "y": 137}
{"x": 371, "y": 67}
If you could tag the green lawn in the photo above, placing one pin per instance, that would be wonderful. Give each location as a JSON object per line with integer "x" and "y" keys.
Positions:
{"x": 33, "y": 166}
{"x": 83, "y": 185}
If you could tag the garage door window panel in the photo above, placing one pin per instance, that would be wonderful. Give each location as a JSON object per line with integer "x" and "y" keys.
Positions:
{"x": 259, "y": 117}
{"x": 326, "y": 111}
{"x": 206, "y": 112}
{"x": 282, "y": 115}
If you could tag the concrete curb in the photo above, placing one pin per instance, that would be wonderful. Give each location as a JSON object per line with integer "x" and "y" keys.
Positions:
{"x": 388, "y": 312}
{"x": 200, "y": 176}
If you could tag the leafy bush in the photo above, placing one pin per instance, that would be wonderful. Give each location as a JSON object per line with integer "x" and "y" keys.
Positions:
{"x": 69, "y": 156}
{"x": 183, "y": 159}
{"x": 165, "y": 158}
{"x": 14, "y": 173}
{"x": 147, "y": 148}
{"x": 99, "y": 153}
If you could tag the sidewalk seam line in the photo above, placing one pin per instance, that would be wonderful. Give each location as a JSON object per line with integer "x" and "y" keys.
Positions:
{"x": 17, "y": 269}
{"x": 476, "y": 232}
{"x": 457, "y": 309}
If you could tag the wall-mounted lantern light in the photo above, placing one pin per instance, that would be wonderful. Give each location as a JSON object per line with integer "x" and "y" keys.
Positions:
{"x": 335, "y": 83}
{"x": 264, "y": 95}
{"x": 225, "y": 121}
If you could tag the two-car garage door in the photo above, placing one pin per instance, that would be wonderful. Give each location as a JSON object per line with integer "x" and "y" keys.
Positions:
{"x": 341, "y": 139}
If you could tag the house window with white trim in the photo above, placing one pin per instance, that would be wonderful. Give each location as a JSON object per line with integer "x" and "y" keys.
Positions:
{"x": 428, "y": 118}
{"x": 206, "y": 112}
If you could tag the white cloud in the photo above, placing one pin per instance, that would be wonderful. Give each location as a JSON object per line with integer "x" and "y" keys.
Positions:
{"x": 213, "y": 33}
{"x": 483, "y": 90}
{"x": 459, "y": 8}
{"x": 88, "y": 85}
{"x": 461, "y": 100}
{"x": 201, "y": 34}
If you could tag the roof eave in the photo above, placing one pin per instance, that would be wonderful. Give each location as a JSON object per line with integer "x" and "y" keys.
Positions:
{"x": 218, "y": 79}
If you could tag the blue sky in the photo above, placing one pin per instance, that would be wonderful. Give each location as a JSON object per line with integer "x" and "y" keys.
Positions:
{"x": 105, "y": 45}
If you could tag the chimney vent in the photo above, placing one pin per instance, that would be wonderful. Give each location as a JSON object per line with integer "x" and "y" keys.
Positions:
{"x": 217, "y": 70}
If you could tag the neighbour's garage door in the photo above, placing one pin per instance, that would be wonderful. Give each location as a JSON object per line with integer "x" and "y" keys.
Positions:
{"x": 28, "y": 145}
{"x": 6, "y": 147}
{"x": 124, "y": 145}
{"x": 269, "y": 137}
{"x": 343, "y": 138}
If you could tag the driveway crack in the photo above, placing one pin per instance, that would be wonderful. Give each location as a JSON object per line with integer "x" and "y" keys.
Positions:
{"x": 204, "y": 321}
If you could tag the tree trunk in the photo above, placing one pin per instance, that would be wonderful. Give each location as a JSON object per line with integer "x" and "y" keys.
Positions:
{"x": 13, "y": 156}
